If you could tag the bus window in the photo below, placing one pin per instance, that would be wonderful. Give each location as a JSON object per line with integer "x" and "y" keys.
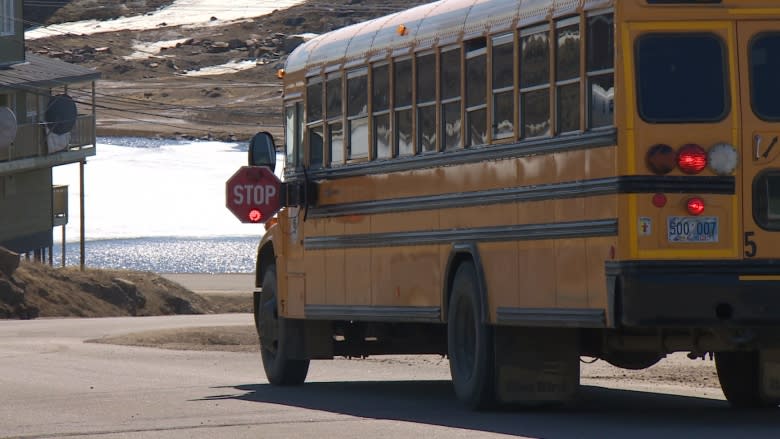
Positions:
{"x": 764, "y": 66}
{"x": 476, "y": 85}
{"x": 402, "y": 106}
{"x": 503, "y": 86}
{"x": 357, "y": 114}
{"x": 567, "y": 76}
{"x": 535, "y": 83}
{"x": 314, "y": 121}
{"x": 315, "y": 147}
{"x": 601, "y": 71}
{"x": 290, "y": 124}
{"x": 681, "y": 78}
{"x": 450, "y": 99}
{"x": 335, "y": 124}
{"x": 426, "y": 102}
{"x": 380, "y": 102}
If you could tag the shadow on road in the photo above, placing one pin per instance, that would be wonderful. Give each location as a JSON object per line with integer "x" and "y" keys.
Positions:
{"x": 599, "y": 412}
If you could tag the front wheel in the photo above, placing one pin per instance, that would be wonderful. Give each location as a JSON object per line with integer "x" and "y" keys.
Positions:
{"x": 470, "y": 342}
{"x": 276, "y": 338}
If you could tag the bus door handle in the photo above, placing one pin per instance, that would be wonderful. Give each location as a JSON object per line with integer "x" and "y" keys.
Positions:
{"x": 757, "y": 141}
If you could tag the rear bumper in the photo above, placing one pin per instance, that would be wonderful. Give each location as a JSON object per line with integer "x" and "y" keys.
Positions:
{"x": 695, "y": 294}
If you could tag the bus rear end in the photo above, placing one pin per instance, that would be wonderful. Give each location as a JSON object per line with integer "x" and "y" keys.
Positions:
{"x": 698, "y": 261}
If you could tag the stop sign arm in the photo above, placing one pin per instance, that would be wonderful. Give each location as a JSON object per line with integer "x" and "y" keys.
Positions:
{"x": 299, "y": 193}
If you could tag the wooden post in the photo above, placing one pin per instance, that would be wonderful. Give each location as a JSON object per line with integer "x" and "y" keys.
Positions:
{"x": 63, "y": 245}
{"x": 81, "y": 212}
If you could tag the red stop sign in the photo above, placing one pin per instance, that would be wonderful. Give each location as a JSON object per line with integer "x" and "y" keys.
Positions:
{"x": 252, "y": 194}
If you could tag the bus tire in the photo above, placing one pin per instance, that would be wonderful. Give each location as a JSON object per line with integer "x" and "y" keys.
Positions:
{"x": 738, "y": 373}
{"x": 470, "y": 342}
{"x": 276, "y": 334}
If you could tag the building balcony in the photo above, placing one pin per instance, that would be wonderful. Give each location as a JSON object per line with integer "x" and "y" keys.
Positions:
{"x": 33, "y": 149}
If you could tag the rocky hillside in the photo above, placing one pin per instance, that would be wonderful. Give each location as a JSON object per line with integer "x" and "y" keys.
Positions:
{"x": 149, "y": 92}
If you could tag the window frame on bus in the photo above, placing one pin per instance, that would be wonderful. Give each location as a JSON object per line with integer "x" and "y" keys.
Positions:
{"x": 474, "y": 50}
{"x": 293, "y": 126}
{"x": 334, "y": 119}
{"x": 356, "y": 94}
{"x": 381, "y": 104}
{"x": 567, "y": 77}
{"x": 503, "y": 89}
{"x": 403, "y": 109}
{"x": 537, "y": 88}
{"x": 598, "y": 75}
{"x": 448, "y": 100}
{"x": 727, "y": 99}
{"x": 755, "y": 104}
{"x": 315, "y": 121}
{"x": 425, "y": 97}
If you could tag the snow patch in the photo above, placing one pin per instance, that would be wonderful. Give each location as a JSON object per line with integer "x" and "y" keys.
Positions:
{"x": 145, "y": 49}
{"x": 231, "y": 67}
{"x": 179, "y": 13}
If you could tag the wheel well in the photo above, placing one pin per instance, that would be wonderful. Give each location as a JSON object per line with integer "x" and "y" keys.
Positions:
{"x": 265, "y": 257}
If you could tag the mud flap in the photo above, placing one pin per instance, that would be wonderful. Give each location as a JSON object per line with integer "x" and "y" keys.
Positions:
{"x": 536, "y": 365}
{"x": 769, "y": 368}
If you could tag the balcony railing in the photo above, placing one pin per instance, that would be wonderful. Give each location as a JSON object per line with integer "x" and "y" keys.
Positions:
{"x": 31, "y": 140}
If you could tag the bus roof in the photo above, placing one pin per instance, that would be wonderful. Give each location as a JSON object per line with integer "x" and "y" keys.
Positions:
{"x": 441, "y": 23}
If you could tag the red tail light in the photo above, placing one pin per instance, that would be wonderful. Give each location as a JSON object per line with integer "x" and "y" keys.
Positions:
{"x": 692, "y": 158}
{"x": 695, "y": 206}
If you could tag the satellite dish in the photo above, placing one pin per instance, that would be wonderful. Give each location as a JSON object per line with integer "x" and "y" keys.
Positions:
{"x": 61, "y": 114}
{"x": 7, "y": 127}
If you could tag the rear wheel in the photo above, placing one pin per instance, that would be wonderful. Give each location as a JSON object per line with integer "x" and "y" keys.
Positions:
{"x": 739, "y": 376}
{"x": 276, "y": 336}
{"x": 470, "y": 342}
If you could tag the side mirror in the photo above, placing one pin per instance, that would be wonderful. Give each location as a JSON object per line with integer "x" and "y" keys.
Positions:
{"x": 262, "y": 151}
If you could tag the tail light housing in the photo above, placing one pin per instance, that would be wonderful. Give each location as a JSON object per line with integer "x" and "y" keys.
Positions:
{"x": 695, "y": 206}
{"x": 661, "y": 159}
{"x": 723, "y": 159}
{"x": 692, "y": 158}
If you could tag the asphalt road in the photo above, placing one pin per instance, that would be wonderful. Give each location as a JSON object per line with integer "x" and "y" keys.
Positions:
{"x": 53, "y": 385}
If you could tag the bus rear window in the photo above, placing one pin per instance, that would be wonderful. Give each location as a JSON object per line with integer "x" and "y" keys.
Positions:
{"x": 681, "y": 78}
{"x": 764, "y": 83}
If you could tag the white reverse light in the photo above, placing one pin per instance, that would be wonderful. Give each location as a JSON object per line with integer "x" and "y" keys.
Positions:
{"x": 723, "y": 159}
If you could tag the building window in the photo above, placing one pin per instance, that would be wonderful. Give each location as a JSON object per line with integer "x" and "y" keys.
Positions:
{"x": 380, "y": 106}
{"x": 402, "y": 106}
{"x": 450, "y": 99}
{"x": 426, "y": 102}
{"x": 567, "y": 75}
{"x": 535, "y": 83}
{"x": 314, "y": 121}
{"x": 357, "y": 113}
{"x": 333, "y": 114}
{"x": 601, "y": 70}
{"x": 503, "y": 66}
{"x": 476, "y": 92}
{"x": 7, "y": 18}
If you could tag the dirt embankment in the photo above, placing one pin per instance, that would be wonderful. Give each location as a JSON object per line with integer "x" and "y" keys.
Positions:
{"x": 152, "y": 92}
{"x": 37, "y": 290}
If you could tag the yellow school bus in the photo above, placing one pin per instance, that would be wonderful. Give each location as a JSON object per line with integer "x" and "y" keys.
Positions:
{"x": 519, "y": 183}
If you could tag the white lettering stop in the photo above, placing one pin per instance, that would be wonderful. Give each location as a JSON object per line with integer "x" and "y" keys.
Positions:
{"x": 251, "y": 194}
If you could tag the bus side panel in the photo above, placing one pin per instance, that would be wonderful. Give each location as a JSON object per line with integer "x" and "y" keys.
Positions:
{"x": 499, "y": 265}
{"x": 357, "y": 263}
{"x": 335, "y": 284}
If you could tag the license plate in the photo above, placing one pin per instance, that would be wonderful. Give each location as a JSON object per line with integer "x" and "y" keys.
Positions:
{"x": 692, "y": 229}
